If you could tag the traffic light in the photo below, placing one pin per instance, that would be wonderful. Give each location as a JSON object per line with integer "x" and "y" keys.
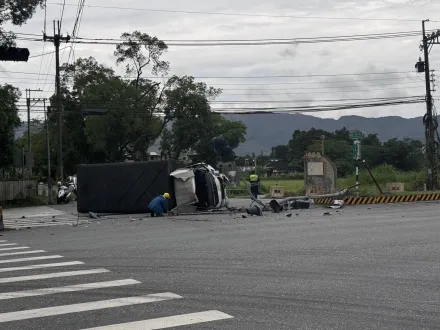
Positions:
{"x": 14, "y": 54}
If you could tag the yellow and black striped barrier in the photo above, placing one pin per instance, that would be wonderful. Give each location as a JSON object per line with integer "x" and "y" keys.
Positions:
{"x": 381, "y": 199}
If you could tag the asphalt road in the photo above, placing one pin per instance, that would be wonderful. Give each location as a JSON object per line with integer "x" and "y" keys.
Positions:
{"x": 363, "y": 267}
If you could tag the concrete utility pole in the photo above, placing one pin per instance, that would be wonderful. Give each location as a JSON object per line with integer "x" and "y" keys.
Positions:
{"x": 57, "y": 39}
{"x": 49, "y": 171}
{"x": 429, "y": 120}
{"x": 28, "y": 103}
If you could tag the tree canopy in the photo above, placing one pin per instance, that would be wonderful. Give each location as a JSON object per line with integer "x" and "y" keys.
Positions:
{"x": 109, "y": 118}
{"x": 17, "y": 13}
{"x": 404, "y": 155}
{"x": 9, "y": 120}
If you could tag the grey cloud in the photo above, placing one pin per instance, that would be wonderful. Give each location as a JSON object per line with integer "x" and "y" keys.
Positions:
{"x": 309, "y": 59}
{"x": 289, "y": 52}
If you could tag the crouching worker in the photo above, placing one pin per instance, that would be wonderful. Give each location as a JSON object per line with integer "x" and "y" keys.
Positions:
{"x": 159, "y": 205}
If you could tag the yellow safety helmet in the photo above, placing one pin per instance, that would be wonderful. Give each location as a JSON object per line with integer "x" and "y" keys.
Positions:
{"x": 167, "y": 196}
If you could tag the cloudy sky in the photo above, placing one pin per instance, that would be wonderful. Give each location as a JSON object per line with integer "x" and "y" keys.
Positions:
{"x": 344, "y": 67}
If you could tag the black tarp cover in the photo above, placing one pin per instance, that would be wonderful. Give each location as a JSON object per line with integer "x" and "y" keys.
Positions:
{"x": 124, "y": 187}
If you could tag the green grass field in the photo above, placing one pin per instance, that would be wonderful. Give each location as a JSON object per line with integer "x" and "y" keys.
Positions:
{"x": 291, "y": 186}
{"x": 414, "y": 182}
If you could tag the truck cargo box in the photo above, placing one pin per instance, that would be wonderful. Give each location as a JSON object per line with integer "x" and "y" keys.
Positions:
{"x": 124, "y": 187}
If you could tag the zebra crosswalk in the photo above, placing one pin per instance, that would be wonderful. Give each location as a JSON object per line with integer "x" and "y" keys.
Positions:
{"x": 36, "y": 217}
{"x": 37, "y": 270}
{"x": 37, "y": 222}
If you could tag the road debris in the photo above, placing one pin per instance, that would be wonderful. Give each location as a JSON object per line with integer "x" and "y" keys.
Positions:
{"x": 254, "y": 210}
{"x": 93, "y": 215}
{"x": 337, "y": 204}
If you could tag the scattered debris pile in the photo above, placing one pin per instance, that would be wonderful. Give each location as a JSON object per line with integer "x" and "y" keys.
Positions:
{"x": 294, "y": 203}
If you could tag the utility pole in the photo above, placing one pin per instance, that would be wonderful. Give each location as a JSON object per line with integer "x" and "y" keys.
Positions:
{"x": 57, "y": 39}
{"x": 46, "y": 123}
{"x": 28, "y": 103}
{"x": 49, "y": 171}
{"x": 429, "y": 120}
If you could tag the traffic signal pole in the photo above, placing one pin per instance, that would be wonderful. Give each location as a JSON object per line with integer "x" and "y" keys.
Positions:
{"x": 57, "y": 38}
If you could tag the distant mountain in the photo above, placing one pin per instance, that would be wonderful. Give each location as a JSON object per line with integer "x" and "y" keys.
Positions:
{"x": 267, "y": 130}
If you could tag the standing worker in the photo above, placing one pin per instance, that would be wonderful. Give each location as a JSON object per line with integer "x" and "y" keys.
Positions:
{"x": 159, "y": 205}
{"x": 254, "y": 179}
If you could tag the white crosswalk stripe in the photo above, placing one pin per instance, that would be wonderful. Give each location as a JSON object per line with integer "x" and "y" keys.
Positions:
{"x": 32, "y": 223}
{"x": 64, "y": 289}
{"x": 43, "y": 312}
{"x": 7, "y": 261}
{"x": 41, "y": 216}
{"x": 86, "y": 307}
{"x": 59, "y": 264}
{"x": 15, "y": 248}
{"x": 22, "y": 252}
{"x": 52, "y": 275}
{"x": 168, "y": 322}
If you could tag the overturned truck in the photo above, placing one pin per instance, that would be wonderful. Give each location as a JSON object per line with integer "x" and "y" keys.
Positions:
{"x": 199, "y": 187}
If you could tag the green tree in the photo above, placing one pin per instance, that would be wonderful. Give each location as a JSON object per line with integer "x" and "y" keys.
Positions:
{"x": 39, "y": 147}
{"x": 232, "y": 132}
{"x": 9, "y": 119}
{"x": 281, "y": 152}
{"x": 192, "y": 117}
{"x": 17, "y": 13}
{"x": 132, "y": 121}
{"x": 404, "y": 155}
{"x": 341, "y": 153}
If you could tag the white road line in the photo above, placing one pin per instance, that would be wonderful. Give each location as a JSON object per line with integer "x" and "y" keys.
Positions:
{"x": 52, "y": 275}
{"x": 15, "y": 248}
{"x": 39, "y": 221}
{"x": 22, "y": 252}
{"x": 86, "y": 307}
{"x": 27, "y": 224}
{"x": 168, "y": 322}
{"x": 29, "y": 259}
{"x": 69, "y": 288}
{"x": 59, "y": 264}
{"x": 8, "y": 244}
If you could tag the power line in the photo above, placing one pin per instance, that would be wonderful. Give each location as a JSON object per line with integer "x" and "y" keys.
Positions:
{"x": 315, "y": 82}
{"x": 315, "y": 88}
{"x": 209, "y": 43}
{"x": 48, "y": 53}
{"x": 62, "y": 13}
{"x": 258, "y": 77}
{"x": 89, "y": 102}
{"x": 359, "y": 102}
{"x": 296, "y": 40}
{"x": 271, "y": 110}
{"x": 243, "y": 14}
{"x": 416, "y": 80}
{"x": 385, "y": 34}
{"x": 76, "y": 27}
